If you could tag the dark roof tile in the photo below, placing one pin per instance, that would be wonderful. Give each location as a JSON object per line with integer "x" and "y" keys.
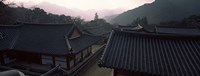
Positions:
{"x": 9, "y": 35}
{"x": 171, "y": 55}
{"x": 83, "y": 42}
{"x": 44, "y": 39}
{"x": 98, "y": 30}
{"x": 47, "y": 39}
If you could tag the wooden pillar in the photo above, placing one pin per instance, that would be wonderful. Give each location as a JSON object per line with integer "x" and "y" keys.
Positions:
{"x": 87, "y": 52}
{"x": 2, "y": 59}
{"x": 81, "y": 55}
{"x": 115, "y": 73}
{"x": 74, "y": 58}
{"x": 54, "y": 61}
{"x": 91, "y": 49}
{"x": 68, "y": 62}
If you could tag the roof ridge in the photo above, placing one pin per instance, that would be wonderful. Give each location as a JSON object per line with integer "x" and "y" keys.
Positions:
{"x": 179, "y": 27}
{"x": 10, "y": 25}
{"x": 42, "y": 24}
{"x": 157, "y": 34}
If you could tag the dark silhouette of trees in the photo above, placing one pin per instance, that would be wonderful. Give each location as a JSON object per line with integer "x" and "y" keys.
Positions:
{"x": 2, "y": 5}
{"x": 142, "y": 21}
{"x": 78, "y": 20}
{"x": 191, "y": 21}
{"x": 10, "y": 15}
{"x": 5, "y": 13}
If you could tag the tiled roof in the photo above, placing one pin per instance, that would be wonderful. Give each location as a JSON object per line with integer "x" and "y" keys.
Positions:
{"x": 43, "y": 38}
{"x": 8, "y": 36}
{"x": 56, "y": 71}
{"x": 81, "y": 43}
{"x": 138, "y": 28}
{"x": 170, "y": 55}
{"x": 130, "y": 28}
{"x": 98, "y": 30}
{"x": 50, "y": 39}
{"x": 183, "y": 31}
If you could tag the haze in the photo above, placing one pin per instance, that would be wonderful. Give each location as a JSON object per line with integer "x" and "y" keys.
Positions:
{"x": 105, "y": 7}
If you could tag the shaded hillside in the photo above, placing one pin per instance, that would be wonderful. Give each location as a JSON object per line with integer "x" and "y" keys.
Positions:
{"x": 109, "y": 18}
{"x": 161, "y": 10}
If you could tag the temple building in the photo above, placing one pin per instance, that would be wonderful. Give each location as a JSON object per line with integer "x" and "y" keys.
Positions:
{"x": 37, "y": 48}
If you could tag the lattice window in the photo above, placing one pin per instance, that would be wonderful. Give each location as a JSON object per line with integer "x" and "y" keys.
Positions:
{"x": 2, "y": 35}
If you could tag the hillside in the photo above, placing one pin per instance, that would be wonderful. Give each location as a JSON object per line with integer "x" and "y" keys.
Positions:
{"x": 160, "y": 10}
{"x": 109, "y": 18}
{"x": 85, "y": 14}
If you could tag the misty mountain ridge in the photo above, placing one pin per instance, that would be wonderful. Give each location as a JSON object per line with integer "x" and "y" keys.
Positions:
{"x": 160, "y": 10}
{"x": 84, "y": 14}
{"x": 111, "y": 17}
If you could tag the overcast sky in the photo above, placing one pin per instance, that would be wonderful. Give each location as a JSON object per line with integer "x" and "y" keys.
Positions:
{"x": 92, "y": 4}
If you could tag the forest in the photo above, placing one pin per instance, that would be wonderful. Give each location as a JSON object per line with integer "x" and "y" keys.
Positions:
{"x": 11, "y": 13}
{"x": 191, "y": 21}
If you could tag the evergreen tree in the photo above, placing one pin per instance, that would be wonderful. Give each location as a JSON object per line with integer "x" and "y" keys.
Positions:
{"x": 144, "y": 21}
{"x": 96, "y": 16}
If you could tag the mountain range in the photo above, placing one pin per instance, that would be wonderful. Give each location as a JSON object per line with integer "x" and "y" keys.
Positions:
{"x": 159, "y": 11}
{"x": 84, "y": 14}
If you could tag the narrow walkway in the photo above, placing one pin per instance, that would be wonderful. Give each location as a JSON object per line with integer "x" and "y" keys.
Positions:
{"x": 95, "y": 70}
